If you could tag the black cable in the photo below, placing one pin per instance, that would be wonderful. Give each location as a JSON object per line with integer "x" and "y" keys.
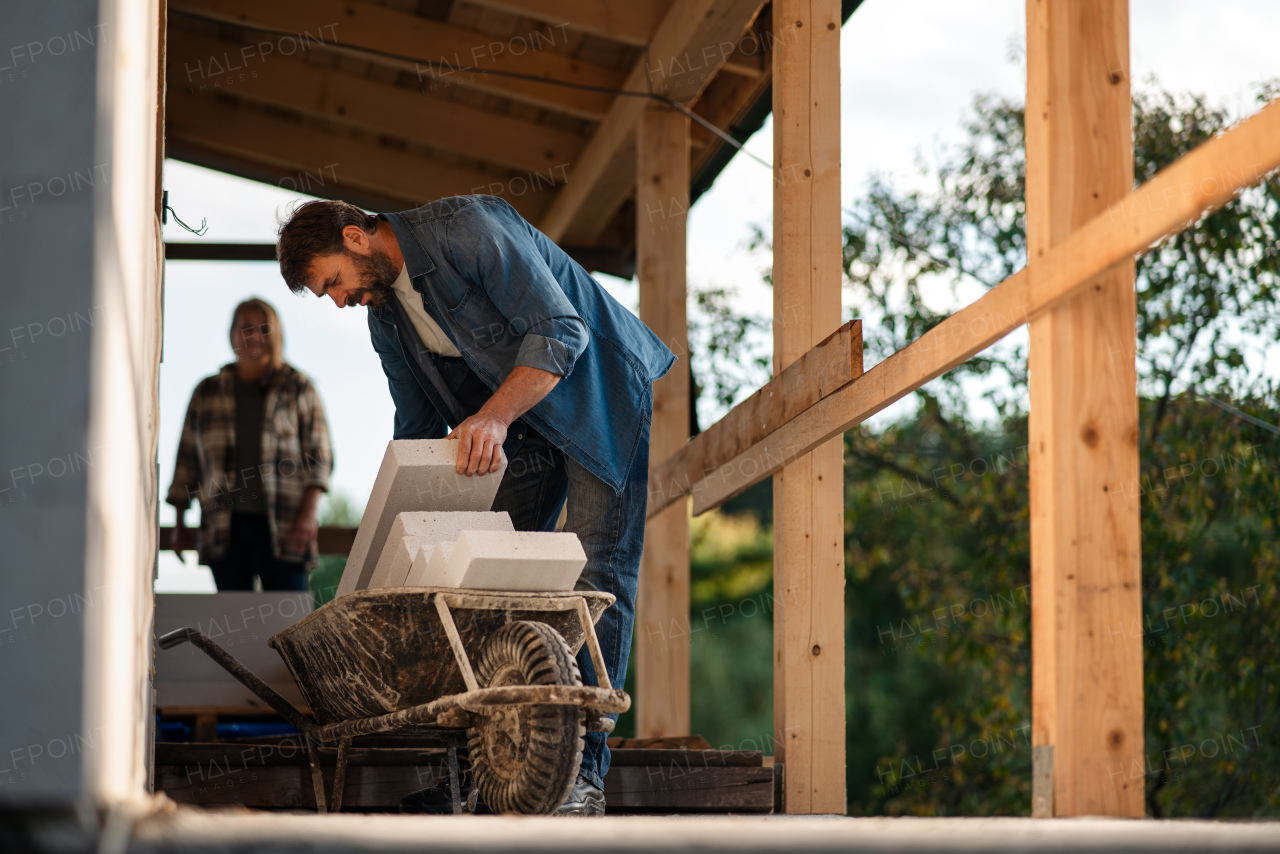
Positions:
{"x": 198, "y": 232}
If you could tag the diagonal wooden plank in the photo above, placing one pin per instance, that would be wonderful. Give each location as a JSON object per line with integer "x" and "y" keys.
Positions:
{"x": 365, "y": 25}
{"x": 1175, "y": 199}
{"x": 363, "y": 102}
{"x": 831, "y": 365}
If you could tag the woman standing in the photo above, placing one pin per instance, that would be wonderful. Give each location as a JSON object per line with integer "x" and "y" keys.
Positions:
{"x": 255, "y": 453}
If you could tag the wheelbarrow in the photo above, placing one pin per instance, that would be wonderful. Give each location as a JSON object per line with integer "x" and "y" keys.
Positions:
{"x": 494, "y": 671}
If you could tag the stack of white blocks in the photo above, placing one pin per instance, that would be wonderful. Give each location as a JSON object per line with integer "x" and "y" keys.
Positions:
{"x": 425, "y": 525}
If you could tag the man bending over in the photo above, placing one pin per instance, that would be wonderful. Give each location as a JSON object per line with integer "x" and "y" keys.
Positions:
{"x": 490, "y": 334}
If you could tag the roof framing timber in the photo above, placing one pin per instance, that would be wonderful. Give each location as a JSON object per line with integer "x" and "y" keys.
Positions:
{"x": 630, "y": 22}
{"x": 443, "y": 49}
{"x": 688, "y": 48}
{"x": 217, "y": 125}
{"x": 363, "y": 102}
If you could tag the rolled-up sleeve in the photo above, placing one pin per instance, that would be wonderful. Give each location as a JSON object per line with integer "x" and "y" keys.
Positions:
{"x": 492, "y": 248}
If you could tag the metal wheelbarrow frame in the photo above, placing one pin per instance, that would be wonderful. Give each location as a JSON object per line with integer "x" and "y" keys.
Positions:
{"x": 372, "y": 662}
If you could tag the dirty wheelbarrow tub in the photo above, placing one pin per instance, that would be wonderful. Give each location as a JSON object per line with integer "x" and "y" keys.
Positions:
{"x": 496, "y": 666}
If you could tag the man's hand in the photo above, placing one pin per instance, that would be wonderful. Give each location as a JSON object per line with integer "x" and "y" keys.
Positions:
{"x": 482, "y": 434}
{"x": 480, "y": 440}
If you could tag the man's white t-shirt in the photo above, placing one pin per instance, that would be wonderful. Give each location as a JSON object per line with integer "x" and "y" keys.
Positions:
{"x": 433, "y": 337}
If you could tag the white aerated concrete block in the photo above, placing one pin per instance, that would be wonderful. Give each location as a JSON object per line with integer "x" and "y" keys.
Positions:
{"x": 397, "y": 557}
{"x": 417, "y": 529}
{"x": 431, "y": 567}
{"x": 416, "y": 474}
{"x": 527, "y": 561}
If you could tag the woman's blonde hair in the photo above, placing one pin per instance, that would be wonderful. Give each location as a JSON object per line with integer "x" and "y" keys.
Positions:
{"x": 274, "y": 335}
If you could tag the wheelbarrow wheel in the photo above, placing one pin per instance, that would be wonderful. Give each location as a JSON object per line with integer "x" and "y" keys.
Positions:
{"x": 526, "y": 758}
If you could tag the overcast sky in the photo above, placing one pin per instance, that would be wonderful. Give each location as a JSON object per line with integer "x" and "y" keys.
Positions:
{"x": 909, "y": 70}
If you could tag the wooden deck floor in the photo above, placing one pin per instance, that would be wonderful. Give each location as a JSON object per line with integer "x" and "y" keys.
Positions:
{"x": 193, "y": 830}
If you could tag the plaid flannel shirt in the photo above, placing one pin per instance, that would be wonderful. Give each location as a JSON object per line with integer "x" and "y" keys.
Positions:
{"x": 295, "y": 455}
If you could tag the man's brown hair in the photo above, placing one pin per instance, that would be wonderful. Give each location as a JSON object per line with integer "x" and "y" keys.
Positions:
{"x": 314, "y": 229}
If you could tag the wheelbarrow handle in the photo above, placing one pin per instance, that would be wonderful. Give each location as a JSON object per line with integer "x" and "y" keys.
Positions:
{"x": 174, "y": 638}
{"x": 246, "y": 677}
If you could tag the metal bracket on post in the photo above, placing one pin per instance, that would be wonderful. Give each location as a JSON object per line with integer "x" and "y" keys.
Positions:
{"x": 1042, "y": 781}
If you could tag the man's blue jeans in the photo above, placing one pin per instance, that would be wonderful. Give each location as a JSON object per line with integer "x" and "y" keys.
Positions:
{"x": 611, "y": 528}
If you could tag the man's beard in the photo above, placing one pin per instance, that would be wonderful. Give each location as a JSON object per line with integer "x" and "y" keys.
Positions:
{"x": 377, "y": 273}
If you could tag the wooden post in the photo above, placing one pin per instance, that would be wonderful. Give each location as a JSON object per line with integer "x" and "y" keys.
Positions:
{"x": 808, "y": 500}
{"x": 1086, "y": 668}
{"x": 662, "y": 607}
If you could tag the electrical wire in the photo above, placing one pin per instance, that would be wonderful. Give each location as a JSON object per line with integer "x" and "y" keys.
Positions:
{"x": 1244, "y": 416}
{"x": 198, "y": 232}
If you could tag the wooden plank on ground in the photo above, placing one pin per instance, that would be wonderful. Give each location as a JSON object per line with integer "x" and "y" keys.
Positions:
{"x": 662, "y": 606}
{"x": 289, "y": 786}
{"x": 669, "y": 742}
{"x": 292, "y": 752}
{"x": 1175, "y": 199}
{"x": 1086, "y": 562}
{"x": 808, "y": 500}
{"x": 276, "y": 775}
{"x": 828, "y": 367}
{"x": 683, "y": 789}
{"x": 687, "y": 759}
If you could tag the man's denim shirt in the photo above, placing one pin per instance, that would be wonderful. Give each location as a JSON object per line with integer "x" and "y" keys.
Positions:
{"x": 505, "y": 295}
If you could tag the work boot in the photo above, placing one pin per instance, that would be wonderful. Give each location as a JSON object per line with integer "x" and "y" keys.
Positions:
{"x": 585, "y": 798}
{"x": 437, "y": 800}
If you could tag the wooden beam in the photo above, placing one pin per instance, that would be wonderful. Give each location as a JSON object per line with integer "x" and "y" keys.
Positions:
{"x": 199, "y": 250}
{"x": 214, "y": 124}
{"x": 808, "y": 494}
{"x": 1175, "y": 199}
{"x": 1086, "y": 565}
{"x": 358, "y": 101}
{"x": 632, "y": 22}
{"x": 687, "y": 49}
{"x": 828, "y": 367}
{"x": 662, "y": 609}
{"x": 380, "y": 28}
